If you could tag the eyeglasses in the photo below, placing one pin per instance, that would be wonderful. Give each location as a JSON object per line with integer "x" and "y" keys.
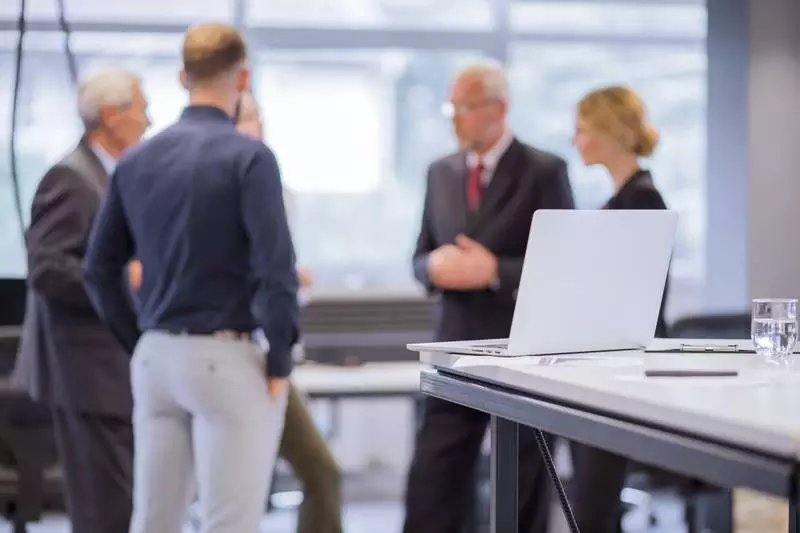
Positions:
{"x": 451, "y": 109}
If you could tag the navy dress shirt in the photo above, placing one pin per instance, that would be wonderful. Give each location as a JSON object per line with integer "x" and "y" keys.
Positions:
{"x": 201, "y": 207}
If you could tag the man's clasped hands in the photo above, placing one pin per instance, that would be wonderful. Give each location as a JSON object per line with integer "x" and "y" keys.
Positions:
{"x": 465, "y": 265}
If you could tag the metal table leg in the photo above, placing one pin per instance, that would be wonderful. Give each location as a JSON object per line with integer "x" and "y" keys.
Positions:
{"x": 504, "y": 476}
{"x": 544, "y": 449}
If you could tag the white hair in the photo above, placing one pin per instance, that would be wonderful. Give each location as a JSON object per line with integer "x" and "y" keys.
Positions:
{"x": 106, "y": 87}
{"x": 491, "y": 74}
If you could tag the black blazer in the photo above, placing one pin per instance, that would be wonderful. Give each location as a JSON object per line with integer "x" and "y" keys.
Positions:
{"x": 640, "y": 192}
{"x": 525, "y": 179}
{"x": 67, "y": 357}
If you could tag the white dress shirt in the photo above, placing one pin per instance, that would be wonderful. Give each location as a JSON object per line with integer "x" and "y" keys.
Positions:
{"x": 491, "y": 157}
{"x": 108, "y": 162}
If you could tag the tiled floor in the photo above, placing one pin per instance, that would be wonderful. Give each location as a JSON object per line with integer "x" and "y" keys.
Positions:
{"x": 386, "y": 517}
{"x": 359, "y": 518}
{"x": 386, "y": 514}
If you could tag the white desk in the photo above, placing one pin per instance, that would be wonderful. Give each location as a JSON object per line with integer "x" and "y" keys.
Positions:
{"x": 370, "y": 379}
{"x": 10, "y": 332}
{"x": 738, "y": 431}
{"x": 760, "y": 409}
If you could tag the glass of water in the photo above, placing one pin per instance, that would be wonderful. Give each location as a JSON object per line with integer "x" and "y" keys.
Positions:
{"x": 774, "y": 326}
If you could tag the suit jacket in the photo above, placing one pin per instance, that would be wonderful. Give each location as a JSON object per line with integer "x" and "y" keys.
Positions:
{"x": 639, "y": 192}
{"x": 525, "y": 179}
{"x": 67, "y": 357}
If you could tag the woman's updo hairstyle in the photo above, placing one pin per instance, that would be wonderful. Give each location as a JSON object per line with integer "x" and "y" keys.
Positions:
{"x": 619, "y": 113}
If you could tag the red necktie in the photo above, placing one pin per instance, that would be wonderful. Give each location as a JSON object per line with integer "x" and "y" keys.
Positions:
{"x": 474, "y": 187}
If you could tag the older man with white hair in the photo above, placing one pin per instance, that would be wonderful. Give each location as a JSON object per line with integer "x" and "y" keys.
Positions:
{"x": 477, "y": 213}
{"x": 67, "y": 358}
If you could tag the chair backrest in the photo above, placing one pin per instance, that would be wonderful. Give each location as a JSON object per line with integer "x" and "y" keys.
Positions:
{"x": 716, "y": 326}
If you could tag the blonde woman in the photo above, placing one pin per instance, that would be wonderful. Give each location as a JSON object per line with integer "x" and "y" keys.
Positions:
{"x": 612, "y": 130}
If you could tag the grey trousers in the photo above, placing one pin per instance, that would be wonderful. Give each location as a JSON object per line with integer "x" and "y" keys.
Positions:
{"x": 202, "y": 412}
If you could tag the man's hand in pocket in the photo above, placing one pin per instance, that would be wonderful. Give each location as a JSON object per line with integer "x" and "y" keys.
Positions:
{"x": 276, "y": 386}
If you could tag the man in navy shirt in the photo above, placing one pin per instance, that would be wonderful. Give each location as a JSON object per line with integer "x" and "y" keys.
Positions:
{"x": 201, "y": 207}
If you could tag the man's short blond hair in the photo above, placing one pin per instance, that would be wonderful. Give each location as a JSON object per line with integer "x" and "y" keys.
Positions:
{"x": 212, "y": 50}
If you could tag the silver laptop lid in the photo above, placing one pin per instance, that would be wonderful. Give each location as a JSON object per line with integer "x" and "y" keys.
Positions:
{"x": 592, "y": 280}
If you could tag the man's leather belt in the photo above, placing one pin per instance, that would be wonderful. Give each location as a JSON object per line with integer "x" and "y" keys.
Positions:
{"x": 227, "y": 334}
{"x": 231, "y": 335}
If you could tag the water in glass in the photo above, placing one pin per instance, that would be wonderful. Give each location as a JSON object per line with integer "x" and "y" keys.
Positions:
{"x": 774, "y": 327}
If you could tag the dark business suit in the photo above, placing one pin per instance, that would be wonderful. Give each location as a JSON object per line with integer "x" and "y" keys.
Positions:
{"x": 448, "y": 443}
{"x": 67, "y": 358}
{"x": 600, "y": 476}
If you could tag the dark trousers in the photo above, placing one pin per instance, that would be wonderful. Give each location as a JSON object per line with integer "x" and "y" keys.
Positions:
{"x": 96, "y": 452}
{"x": 440, "y": 481}
{"x": 303, "y": 447}
{"x": 597, "y": 480}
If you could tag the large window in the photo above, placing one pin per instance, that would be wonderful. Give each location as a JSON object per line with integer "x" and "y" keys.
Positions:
{"x": 124, "y": 11}
{"x": 374, "y": 13}
{"x": 672, "y": 83}
{"x": 560, "y": 50}
{"x": 352, "y": 92}
{"x": 354, "y": 133}
{"x": 649, "y": 18}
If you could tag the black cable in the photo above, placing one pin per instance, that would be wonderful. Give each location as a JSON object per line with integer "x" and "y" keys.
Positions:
{"x": 544, "y": 449}
{"x": 73, "y": 70}
{"x": 71, "y": 62}
{"x": 14, "y": 105}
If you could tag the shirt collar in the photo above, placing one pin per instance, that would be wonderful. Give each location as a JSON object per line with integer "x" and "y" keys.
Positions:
{"x": 493, "y": 155}
{"x": 639, "y": 175}
{"x": 206, "y": 112}
{"x": 108, "y": 162}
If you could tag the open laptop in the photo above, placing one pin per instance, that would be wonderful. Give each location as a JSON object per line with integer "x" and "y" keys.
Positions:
{"x": 591, "y": 281}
